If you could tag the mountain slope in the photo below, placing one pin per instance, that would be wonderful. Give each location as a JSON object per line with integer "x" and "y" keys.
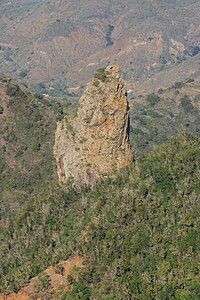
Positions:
{"x": 61, "y": 43}
{"x": 138, "y": 234}
{"x": 157, "y": 116}
{"x": 26, "y": 140}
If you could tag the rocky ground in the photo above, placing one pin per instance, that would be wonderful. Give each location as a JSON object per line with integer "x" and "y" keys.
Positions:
{"x": 49, "y": 281}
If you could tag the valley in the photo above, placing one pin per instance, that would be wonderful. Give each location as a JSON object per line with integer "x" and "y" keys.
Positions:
{"x": 56, "y": 48}
{"x": 99, "y": 150}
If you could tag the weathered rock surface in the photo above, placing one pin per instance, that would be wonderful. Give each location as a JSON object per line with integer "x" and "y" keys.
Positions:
{"x": 95, "y": 142}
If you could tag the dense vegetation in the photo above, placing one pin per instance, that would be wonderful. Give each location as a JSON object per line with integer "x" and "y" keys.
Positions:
{"x": 27, "y": 125}
{"x": 158, "y": 116}
{"x": 138, "y": 233}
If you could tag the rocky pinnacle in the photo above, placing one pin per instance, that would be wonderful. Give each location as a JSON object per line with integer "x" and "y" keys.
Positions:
{"x": 95, "y": 142}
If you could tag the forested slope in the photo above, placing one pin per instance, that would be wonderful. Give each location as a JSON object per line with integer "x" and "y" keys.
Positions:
{"x": 27, "y": 135}
{"x": 168, "y": 112}
{"x": 138, "y": 234}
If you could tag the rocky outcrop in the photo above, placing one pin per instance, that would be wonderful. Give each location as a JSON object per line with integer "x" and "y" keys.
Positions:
{"x": 56, "y": 278}
{"x": 95, "y": 142}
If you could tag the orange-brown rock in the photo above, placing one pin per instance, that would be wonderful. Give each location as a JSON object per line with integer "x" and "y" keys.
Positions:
{"x": 96, "y": 141}
{"x": 56, "y": 281}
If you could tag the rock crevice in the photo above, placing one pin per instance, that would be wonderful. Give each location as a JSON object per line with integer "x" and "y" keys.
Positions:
{"x": 96, "y": 141}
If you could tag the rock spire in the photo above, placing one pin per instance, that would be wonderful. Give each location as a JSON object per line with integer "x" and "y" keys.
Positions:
{"x": 96, "y": 141}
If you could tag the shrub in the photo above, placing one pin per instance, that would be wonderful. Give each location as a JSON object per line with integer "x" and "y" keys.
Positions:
{"x": 12, "y": 90}
{"x": 101, "y": 74}
{"x": 152, "y": 99}
{"x": 79, "y": 291}
{"x": 197, "y": 98}
{"x": 96, "y": 82}
{"x": 23, "y": 73}
{"x": 177, "y": 85}
{"x": 43, "y": 285}
{"x": 186, "y": 104}
{"x": 36, "y": 147}
{"x": 161, "y": 91}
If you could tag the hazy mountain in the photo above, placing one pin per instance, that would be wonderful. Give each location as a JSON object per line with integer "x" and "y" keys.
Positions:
{"x": 61, "y": 43}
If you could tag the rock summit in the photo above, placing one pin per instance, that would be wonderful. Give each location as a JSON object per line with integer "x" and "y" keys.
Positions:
{"x": 95, "y": 142}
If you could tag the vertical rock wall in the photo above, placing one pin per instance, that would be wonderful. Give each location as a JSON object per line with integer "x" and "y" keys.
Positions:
{"x": 96, "y": 141}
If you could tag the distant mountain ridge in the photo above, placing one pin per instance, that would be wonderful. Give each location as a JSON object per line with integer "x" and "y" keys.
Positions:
{"x": 61, "y": 43}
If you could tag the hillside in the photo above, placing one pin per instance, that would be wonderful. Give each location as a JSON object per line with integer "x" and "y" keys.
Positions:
{"x": 99, "y": 178}
{"x": 59, "y": 44}
{"x": 138, "y": 235}
{"x": 27, "y": 125}
{"x": 135, "y": 236}
{"x": 157, "y": 116}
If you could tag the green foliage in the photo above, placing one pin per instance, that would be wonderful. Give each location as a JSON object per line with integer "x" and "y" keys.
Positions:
{"x": 39, "y": 88}
{"x": 23, "y": 73}
{"x": 96, "y": 82}
{"x": 186, "y": 104}
{"x": 109, "y": 41}
{"x": 178, "y": 85}
{"x": 160, "y": 91}
{"x": 1, "y": 110}
{"x": 70, "y": 128}
{"x": 138, "y": 233}
{"x": 78, "y": 291}
{"x": 26, "y": 156}
{"x": 197, "y": 98}
{"x": 43, "y": 286}
{"x": 157, "y": 117}
{"x": 152, "y": 99}
{"x": 101, "y": 75}
{"x": 36, "y": 147}
{"x": 12, "y": 90}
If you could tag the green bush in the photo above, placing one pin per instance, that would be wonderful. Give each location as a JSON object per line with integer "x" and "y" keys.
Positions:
{"x": 12, "y": 90}
{"x": 152, "y": 99}
{"x": 197, "y": 98}
{"x": 79, "y": 291}
{"x": 178, "y": 85}
{"x": 101, "y": 75}
{"x": 23, "y": 73}
{"x": 186, "y": 104}
{"x": 36, "y": 146}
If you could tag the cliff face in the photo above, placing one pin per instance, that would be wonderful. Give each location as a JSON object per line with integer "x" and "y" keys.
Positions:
{"x": 95, "y": 141}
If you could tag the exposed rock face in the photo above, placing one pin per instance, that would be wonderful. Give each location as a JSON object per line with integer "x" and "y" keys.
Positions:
{"x": 56, "y": 281}
{"x": 96, "y": 141}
